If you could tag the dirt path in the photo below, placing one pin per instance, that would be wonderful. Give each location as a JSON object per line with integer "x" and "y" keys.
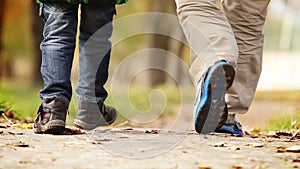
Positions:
{"x": 147, "y": 148}
{"x": 136, "y": 148}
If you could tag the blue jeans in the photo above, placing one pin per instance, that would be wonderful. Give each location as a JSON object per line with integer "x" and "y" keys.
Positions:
{"x": 58, "y": 47}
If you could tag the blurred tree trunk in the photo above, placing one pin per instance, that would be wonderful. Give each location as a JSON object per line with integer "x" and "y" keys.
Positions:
{"x": 157, "y": 77}
{"x": 2, "y": 10}
{"x": 37, "y": 36}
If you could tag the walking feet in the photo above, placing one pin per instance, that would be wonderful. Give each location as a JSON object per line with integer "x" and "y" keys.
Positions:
{"x": 231, "y": 126}
{"x": 210, "y": 107}
{"x": 92, "y": 115}
{"x": 52, "y": 116}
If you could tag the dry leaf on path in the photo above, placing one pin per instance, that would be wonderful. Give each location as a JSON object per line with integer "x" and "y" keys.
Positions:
{"x": 280, "y": 149}
{"x": 257, "y": 145}
{"x": 220, "y": 144}
{"x": 19, "y": 144}
{"x": 204, "y": 167}
{"x": 128, "y": 129}
{"x": 297, "y": 160}
{"x": 255, "y": 131}
{"x": 294, "y": 149}
{"x": 24, "y": 126}
{"x": 236, "y": 167}
{"x": 15, "y": 133}
{"x": 73, "y": 131}
{"x": 153, "y": 131}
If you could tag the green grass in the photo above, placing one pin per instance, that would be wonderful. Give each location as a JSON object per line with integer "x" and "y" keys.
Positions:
{"x": 22, "y": 97}
{"x": 282, "y": 123}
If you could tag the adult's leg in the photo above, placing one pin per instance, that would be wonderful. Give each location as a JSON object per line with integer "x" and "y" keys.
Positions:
{"x": 208, "y": 33}
{"x": 247, "y": 18}
{"x": 215, "y": 52}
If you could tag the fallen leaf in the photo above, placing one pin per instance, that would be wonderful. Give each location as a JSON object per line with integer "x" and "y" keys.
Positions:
{"x": 19, "y": 144}
{"x": 95, "y": 142}
{"x": 53, "y": 159}
{"x": 247, "y": 133}
{"x": 23, "y": 162}
{"x": 204, "y": 167}
{"x": 280, "y": 149}
{"x": 234, "y": 148}
{"x": 297, "y": 160}
{"x": 294, "y": 149}
{"x": 128, "y": 129}
{"x": 4, "y": 126}
{"x": 255, "y": 131}
{"x": 258, "y": 145}
{"x": 288, "y": 166}
{"x": 252, "y": 133}
{"x": 153, "y": 131}
{"x": 15, "y": 133}
{"x": 236, "y": 167}
{"x": 220, "y": 144}
{"x": 25, "y": 126}
{"x": 73, "y": 131}
{"x": 283, "y": 133}
{"x": 122, "y": 137}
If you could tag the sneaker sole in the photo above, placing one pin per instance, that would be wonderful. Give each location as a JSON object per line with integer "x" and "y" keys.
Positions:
{"x": 52, "y": 127}
{"x": 210, "y": 110}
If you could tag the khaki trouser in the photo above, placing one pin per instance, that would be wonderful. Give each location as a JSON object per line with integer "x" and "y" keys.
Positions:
{"x": 234, "y": 34}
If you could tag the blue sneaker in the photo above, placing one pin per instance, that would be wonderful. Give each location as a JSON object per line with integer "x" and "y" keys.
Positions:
{"x": 210, "y": 108}
{"x": 233, "y": 127}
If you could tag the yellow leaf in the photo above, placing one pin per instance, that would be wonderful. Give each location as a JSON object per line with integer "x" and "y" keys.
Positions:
{"x": 24, "y": 126}
{"x": 255, "y": 131}
{"x": 204, "y": 167}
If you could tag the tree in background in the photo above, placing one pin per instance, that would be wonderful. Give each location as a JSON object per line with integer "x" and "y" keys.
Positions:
{"x": 163, "y": 42}
{"x": 288, "y": 24}
{"x": 37, "y": 36}
{"x": 2, "y": 10}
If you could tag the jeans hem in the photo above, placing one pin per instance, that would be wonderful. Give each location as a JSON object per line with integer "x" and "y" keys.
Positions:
{"x": 90, "y": 100}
